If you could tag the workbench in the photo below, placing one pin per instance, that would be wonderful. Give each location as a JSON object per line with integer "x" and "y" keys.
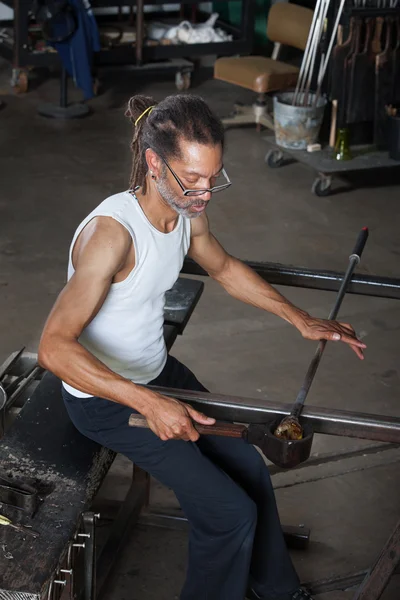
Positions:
{"x": 43, "y": 448}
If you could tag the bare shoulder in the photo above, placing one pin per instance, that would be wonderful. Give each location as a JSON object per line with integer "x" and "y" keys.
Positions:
{"x": 200, "y": 226}
{"x": 103, "y": 243}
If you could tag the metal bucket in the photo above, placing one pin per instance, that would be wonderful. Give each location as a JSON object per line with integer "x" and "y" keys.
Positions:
{"x": 297, "y": 126}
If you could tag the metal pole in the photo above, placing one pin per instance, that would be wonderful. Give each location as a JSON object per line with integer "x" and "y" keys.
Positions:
{"x": 312, "y": 369}
{"x": 329, "y": 421}
{"x": 320, "y": 29}
{"x": 317, "y": 279}
{"x": 306, "y": 51}
{"x": 328, "y": 53}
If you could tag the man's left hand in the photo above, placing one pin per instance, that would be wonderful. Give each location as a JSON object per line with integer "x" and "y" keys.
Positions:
{"x": 312, "y": 328}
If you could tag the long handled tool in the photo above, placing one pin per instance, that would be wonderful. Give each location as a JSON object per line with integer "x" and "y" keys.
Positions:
{"x": 290, "y": 428}
{"x": 283, "y": 452}
{"x": 383, "y": 86}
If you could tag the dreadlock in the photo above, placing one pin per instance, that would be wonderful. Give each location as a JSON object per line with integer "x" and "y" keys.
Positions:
{"x": 162, "y": 127}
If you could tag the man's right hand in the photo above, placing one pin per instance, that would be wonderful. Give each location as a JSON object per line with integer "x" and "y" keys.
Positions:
{"x": 170, "y": 419}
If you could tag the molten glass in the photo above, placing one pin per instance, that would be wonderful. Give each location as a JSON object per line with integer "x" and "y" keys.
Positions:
{"x": 289, "y": 429}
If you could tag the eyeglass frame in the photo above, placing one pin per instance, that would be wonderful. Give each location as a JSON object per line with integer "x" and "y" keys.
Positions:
{"x": 199, "y": 192}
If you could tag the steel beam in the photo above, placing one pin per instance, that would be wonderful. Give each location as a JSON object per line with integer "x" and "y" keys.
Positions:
{"x": 330, "y": 421}
{"x": 277, "y": 274}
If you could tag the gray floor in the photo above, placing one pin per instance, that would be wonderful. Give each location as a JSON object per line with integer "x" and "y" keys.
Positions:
{"x": 52, "y": 174}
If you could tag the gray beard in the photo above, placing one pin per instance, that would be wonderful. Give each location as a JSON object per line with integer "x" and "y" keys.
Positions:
{"x": 169, "y": 196}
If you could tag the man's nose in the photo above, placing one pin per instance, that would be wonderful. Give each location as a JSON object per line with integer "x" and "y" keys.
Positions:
{"x": 206, "y": 197}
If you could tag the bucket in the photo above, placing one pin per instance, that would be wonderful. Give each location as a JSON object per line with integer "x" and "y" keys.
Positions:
{"x": 297, "y": 126}
{"x": 394, "y": 137}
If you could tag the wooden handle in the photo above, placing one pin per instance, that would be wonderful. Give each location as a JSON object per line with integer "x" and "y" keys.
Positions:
{"x": 220, "y": 428}
{"x": 357, "y": 38}
{"x": 349, "y": 39}
{"x": 376, "y": 40}
{"x": 332, "y": 136}
{"x": 368, "y": 35}
{"x": 138, "y": 421}
{"x": 339, "y": 35}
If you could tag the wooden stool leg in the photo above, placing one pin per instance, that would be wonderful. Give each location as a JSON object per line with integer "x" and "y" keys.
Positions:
{"x": 378, "y": 577}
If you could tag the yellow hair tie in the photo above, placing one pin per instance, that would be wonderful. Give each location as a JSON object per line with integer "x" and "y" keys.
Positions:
{"x": 148, "y": 110}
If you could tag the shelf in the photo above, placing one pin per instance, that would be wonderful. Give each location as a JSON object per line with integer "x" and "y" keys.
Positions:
{"x": 140, "y": 53}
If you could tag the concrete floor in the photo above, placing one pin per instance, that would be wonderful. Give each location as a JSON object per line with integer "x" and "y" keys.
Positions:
{"x": 52, "y": 174}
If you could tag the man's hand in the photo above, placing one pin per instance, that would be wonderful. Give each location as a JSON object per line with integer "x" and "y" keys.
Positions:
{"x": 312, "y": 328}
{"x": 170, "y": 419}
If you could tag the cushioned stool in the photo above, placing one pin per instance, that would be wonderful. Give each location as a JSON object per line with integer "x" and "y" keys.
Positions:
{"x": 288, "y": 24}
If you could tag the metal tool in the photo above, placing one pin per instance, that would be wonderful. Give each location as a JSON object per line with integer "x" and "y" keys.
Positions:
{"x": 396, "y": 64}
{"x": 13, "y": 383}
{"x": 10, "y": 363}
{"x": 285, "y": 453}
{"x": 260, "y": 435}
{"x": 357, "y": 79}
{"x": 22, "y": 528}
{"x": 18, "y": 494}
{"x": 383, "y": 86}
{"x": 307, "y": 53}
{"x": 290, "y": 428}
{"x": 340, "y": 54}
{"x": 361, "y": 101}
{"x": 326, "y": 58}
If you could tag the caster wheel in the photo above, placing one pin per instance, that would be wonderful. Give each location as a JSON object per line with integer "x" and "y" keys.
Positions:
{"x": 182, "y": 81}
{"x": 20, "y": 82}
{"x": 274, "y": 159}
{"x": 321, "y": 187}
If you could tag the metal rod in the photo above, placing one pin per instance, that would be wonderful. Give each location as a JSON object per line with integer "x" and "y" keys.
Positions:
{"x": 312, "y": 369}
{"x": 306, "y": 52}
{"x": 328, "y": 53}
{"x": 329, "y": 421}
{"x": 317, "y": 279}
{"x": 319, "y": 32}
{"x": 304, "y": 68}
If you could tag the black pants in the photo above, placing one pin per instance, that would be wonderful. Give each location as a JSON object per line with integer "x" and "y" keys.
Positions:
{"x": 223, "y": 487}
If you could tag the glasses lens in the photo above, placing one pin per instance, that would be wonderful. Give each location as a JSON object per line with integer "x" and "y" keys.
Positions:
{"x": 219, "y": 183}
{"x": 221, "y": 187}
{"x": 196, "y": 192}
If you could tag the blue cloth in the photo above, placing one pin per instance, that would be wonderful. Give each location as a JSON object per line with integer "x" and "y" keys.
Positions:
{"x": 76, "y": 53}
{"x": 223, "y": 487}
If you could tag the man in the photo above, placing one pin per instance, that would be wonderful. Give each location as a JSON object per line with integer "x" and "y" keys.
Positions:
{"x": 105, "y": 335}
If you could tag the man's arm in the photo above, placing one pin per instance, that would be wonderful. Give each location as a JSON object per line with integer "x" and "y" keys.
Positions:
{"x": 241, "y": 282}
{"x": 102, "y": 252}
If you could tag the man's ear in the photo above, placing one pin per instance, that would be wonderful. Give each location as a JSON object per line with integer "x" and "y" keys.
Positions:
{"x": 154, "y": 162}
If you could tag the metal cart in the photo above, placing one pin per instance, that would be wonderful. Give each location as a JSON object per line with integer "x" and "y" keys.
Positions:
{"x": 364, "y": 157}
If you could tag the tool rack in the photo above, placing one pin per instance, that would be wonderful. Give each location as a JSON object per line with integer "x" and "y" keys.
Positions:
{"x": 17, "y": 46}
{"x": 365, "y": 156}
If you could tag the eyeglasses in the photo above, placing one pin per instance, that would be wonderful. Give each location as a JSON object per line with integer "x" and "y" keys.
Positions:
{"x": 198, "y": 192}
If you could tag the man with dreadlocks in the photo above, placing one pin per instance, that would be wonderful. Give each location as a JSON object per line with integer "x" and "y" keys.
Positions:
{"x": 104, "y": 336}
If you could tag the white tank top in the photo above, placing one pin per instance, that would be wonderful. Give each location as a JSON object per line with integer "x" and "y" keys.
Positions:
{"x": 127, "y": 332}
